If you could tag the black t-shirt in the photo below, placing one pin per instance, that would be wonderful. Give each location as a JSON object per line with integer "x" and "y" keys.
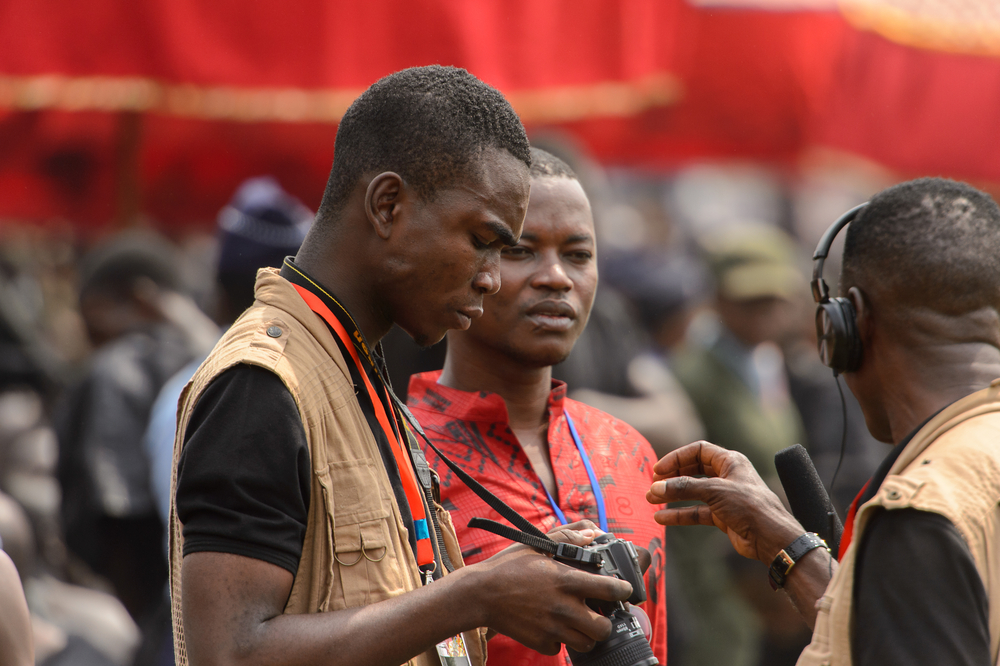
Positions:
{"x": 243, "y": 481}
{"x": 918, "y": 597}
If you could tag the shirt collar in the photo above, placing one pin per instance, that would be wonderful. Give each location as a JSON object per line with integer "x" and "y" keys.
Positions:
{"x": 476, "y": 406}
{"x": 296, "y": 275}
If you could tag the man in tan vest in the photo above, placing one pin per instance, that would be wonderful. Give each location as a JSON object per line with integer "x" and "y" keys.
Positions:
{"x": 917, "y": 336}
{"x": 304, "y": 527}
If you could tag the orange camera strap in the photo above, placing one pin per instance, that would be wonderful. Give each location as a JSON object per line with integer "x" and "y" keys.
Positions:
{"x": 425, "y": 549}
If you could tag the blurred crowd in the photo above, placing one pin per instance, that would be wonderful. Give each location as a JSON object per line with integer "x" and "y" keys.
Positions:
{"x": 702, "y": 328}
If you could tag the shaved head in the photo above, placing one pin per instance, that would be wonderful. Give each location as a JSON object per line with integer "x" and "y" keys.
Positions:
{"x": 930, "y": 243}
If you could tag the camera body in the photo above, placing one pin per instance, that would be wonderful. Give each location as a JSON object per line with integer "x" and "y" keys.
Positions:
{"x": 608, "y": 555}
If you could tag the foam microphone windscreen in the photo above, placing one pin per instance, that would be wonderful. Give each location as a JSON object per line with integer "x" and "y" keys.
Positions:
{"x": 807, "y": 495}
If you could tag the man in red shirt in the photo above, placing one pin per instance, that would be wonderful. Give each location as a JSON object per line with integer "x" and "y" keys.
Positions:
{"x": 496, "y": 411}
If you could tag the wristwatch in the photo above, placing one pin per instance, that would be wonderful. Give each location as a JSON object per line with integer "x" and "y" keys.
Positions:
{"x": 793, "y": 552}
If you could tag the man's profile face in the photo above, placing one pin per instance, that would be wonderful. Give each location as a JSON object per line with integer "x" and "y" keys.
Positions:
{"x": 549, "y": 279}
{"x": 447, "y": 257}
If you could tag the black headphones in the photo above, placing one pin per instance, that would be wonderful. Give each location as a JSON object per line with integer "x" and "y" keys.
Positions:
{"x": 836, "y": 320}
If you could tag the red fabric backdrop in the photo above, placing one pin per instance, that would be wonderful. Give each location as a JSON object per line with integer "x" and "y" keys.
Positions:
{"x": 111, "y": 108}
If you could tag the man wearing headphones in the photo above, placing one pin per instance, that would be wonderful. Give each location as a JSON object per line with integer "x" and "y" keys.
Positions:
{"x": 917, "y": 336}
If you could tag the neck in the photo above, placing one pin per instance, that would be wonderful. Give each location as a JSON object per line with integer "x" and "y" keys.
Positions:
{"x": 923, "y": 384}
{"x": 525, "y": 389}
{"x": 343, "y": 275}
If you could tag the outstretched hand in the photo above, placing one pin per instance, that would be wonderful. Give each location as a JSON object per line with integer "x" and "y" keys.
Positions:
{"x": 735, "y": 499}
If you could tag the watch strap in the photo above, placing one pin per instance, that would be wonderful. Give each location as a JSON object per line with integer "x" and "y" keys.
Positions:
{"x": 792, "y": 553}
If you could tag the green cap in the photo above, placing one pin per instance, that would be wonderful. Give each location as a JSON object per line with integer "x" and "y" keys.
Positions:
{"x": 751, "y": 262}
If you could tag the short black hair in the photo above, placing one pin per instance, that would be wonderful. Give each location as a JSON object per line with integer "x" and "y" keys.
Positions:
{"x": 424, "y": 123}
{"x": 113, "y": 267}
{"x": 546, "y": 165}
{"x": 930, "y": 242}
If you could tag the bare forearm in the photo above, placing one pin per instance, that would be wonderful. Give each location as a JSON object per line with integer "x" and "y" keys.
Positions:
{"x": 809, "y": 577}
{"x": 233, "y": 615}
{"x": 807, "y": 582}
{"x": 387, "y": 633}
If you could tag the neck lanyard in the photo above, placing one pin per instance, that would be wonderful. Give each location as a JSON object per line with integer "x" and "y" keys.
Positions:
{"x": 595, "y": 487}
{"x": 425, "y": 549}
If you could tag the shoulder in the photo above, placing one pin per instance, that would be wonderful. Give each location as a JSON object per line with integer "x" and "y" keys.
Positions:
{"x": 961, "y": 467}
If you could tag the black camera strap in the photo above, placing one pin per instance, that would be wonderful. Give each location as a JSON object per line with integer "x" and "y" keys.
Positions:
{"x": 525, "y": 531}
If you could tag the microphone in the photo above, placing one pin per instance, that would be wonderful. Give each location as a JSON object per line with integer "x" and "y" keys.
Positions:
{"x": 807, "y": 495}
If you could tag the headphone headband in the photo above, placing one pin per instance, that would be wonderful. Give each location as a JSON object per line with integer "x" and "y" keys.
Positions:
{"x": 820, "y": 291}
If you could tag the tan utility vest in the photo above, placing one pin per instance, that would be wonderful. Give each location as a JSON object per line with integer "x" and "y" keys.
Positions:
{"x": 356, "y": 550}
{"x": 951, "y": 467}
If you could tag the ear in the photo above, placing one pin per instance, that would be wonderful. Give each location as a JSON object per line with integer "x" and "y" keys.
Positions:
{"x": 862, "y": 311}
{"x": 382, "y": 202}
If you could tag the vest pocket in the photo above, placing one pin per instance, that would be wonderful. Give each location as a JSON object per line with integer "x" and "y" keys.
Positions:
{"x": 365, "y": 557}
{"x": 366, "y": 565}
{"x": 356, "y": 492}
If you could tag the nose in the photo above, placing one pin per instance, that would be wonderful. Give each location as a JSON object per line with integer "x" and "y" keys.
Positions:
{"x": 552, "y": 274}
{"x": 487, "y": 279}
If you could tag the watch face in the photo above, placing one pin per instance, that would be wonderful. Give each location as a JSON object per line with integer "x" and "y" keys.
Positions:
{"x": 786, "y": 561}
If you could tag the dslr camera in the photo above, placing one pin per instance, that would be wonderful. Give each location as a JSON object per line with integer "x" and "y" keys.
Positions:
{"x": 608, "y": 555}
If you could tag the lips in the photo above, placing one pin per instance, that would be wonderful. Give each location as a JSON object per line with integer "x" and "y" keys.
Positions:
{"x": 552, "y": 315}
{"x": 552, "y": 309}
{"x": 466, "y": 315}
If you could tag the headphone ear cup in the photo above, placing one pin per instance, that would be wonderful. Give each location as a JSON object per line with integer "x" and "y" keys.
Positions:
{"x": 837, "y": 335}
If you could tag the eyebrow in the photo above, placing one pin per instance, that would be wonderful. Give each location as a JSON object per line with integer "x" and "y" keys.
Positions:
{"x": 502, "y": 232}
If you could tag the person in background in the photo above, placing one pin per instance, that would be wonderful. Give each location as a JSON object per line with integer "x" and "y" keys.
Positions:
{"x": 261, "y": 226}
{"x": 71, "y": 625}
{"x": 496, "y": 411}
{"x": 144, "y": 330}
{"x": 732, "y": 369}
{"x": 665, "y": 289}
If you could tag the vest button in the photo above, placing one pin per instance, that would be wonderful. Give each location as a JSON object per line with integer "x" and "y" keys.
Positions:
{"x": 274, "y": 331}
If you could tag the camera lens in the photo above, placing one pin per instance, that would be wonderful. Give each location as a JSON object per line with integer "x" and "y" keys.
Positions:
{"x": 627, "y": 645}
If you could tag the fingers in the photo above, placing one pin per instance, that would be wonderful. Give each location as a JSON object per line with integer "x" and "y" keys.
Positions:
{"x": 581, "y": 642}
{"x": 645, "y": 559}
{"x": 580, "y": 533}
{"x": 579, "y": 525}
{"x": 684, "y": 488}
{"x": 687, "y": 515}
{"x": 592, "y": 586}
{"x": 696, "y": 459}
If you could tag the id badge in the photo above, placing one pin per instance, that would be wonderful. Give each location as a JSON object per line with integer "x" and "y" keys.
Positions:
{"x": 452, "y": 652}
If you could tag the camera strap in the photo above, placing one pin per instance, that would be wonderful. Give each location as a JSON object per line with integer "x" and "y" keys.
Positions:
{"x": 523, "y": 531}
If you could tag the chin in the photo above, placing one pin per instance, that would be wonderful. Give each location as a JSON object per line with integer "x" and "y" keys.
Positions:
{"x": 422, "y": 337}
{"x": 427, "y": 340}
{"x": 538, "y": 358}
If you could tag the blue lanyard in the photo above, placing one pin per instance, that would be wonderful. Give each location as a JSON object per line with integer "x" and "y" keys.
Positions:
{"x": 602, "y": 517}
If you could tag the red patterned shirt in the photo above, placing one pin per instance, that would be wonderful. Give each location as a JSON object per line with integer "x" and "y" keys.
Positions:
{"x": 473, "y": 430}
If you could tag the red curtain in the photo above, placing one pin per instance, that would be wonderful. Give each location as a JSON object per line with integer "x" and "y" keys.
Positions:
{"x": 110, "y": 109}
